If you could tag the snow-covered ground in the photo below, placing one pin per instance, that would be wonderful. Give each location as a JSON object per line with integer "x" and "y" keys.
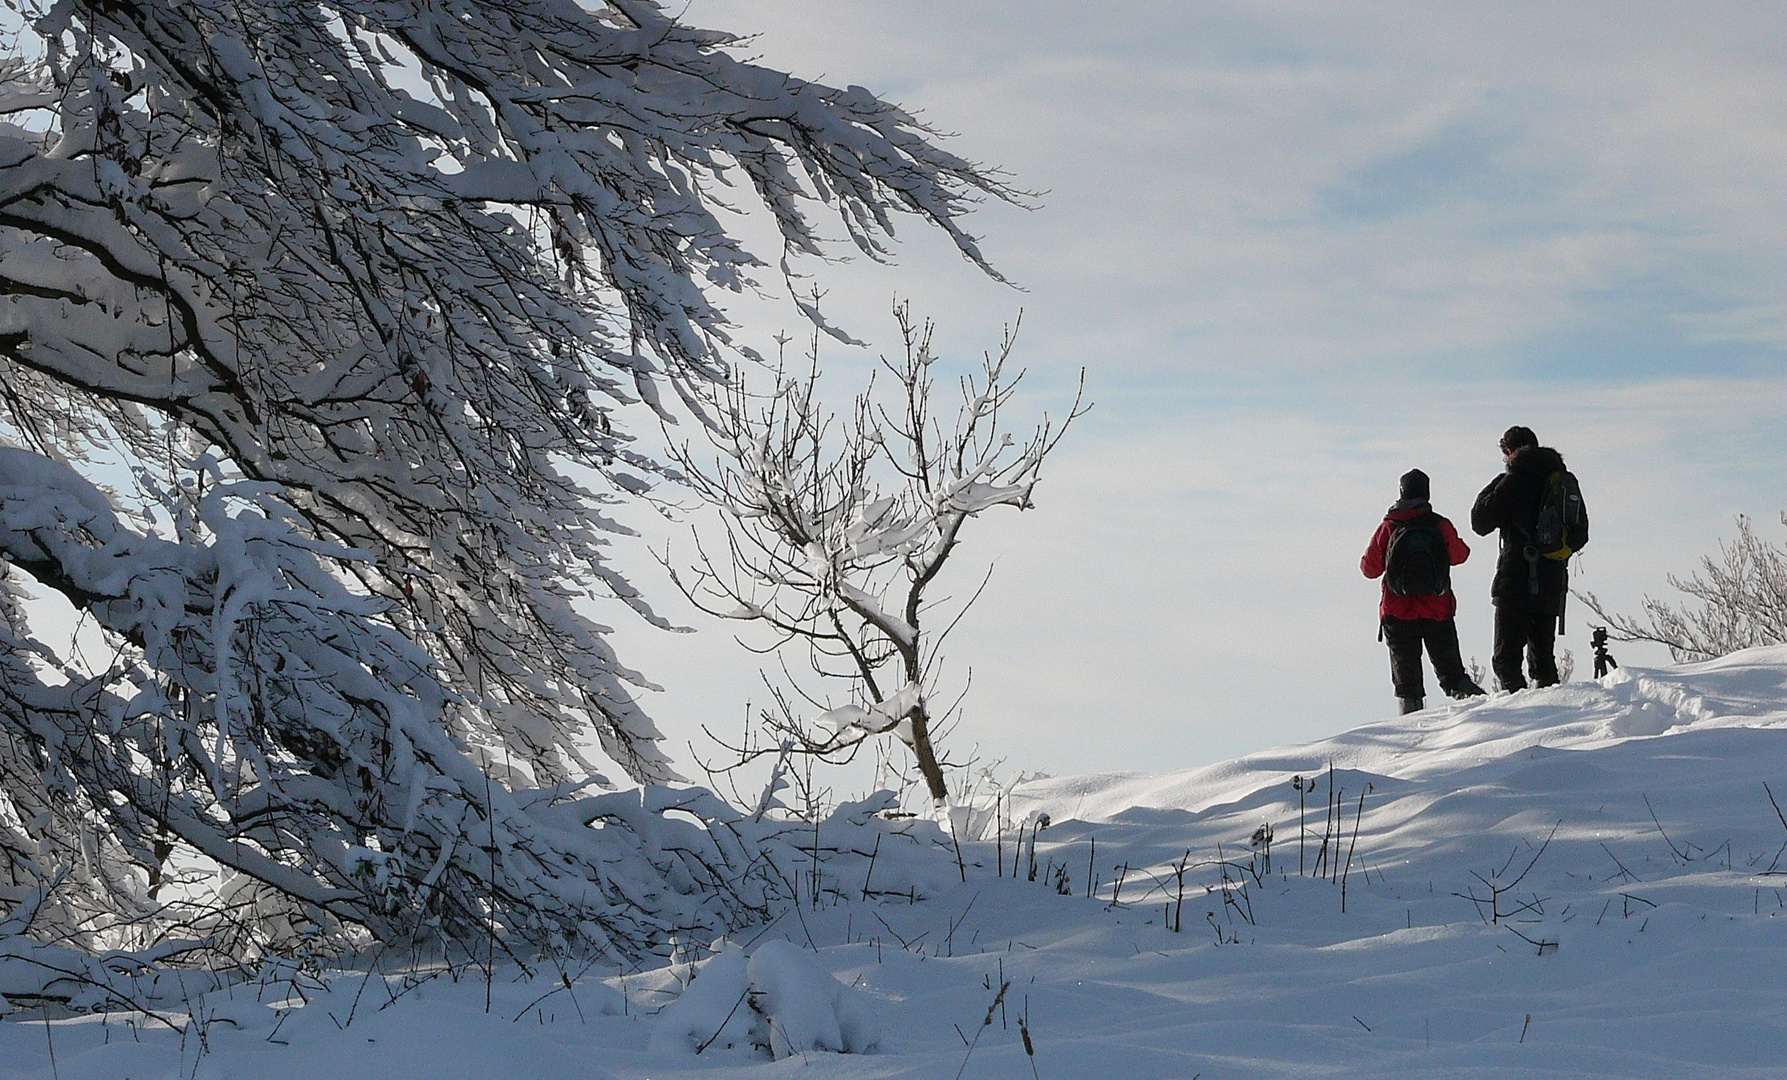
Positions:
{"x": 1647, "y": 939}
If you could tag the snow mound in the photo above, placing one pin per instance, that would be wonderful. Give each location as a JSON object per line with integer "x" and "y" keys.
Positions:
{"x": 805, "y": 1008}
{"x": 1744, "y": 690}
{"x": 782, "y": 998}
{"x": 708, "y": 1012}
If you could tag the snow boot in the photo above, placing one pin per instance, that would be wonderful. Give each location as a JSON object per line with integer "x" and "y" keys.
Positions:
{"x": 1410, "y": 704}
{"x": 1466, "y": 689}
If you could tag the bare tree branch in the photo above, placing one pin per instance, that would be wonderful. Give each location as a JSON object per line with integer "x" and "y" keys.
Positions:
{"x": 1742, "y": 603}
{"x": 839, "y": 526}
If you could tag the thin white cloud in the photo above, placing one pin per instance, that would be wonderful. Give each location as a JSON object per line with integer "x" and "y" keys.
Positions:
{"x": 1766, "y": 324}
{"x": 1192, "y": 154}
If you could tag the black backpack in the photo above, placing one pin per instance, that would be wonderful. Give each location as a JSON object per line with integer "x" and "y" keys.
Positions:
{"x": 1562, "y": 527}
{"x": 1417, "y": 562}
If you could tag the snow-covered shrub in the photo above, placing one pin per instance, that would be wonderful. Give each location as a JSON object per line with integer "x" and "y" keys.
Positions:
{"x": 805, "y": 1008}
{"x": 781, "y": 999}
{"x": 712, "y": 1011}
{"x": 1742, "y": 603}
{"x": 81, "y": 979}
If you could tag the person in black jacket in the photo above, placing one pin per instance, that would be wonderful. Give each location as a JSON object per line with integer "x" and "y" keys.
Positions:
{"x": 1528, "y": 591}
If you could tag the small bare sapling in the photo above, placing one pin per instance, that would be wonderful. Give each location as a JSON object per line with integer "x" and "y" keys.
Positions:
{"x": 836, "y": 527}
{"x": 1492, "y": 908}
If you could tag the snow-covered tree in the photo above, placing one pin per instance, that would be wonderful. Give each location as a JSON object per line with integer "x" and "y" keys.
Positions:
{"x": 836, "y": 530}
{"x": 1742, "y": 603}
{"x": 343, "y": 301}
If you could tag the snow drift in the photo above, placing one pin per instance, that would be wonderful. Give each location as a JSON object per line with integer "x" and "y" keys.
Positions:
{"x": 1584, "y": 881}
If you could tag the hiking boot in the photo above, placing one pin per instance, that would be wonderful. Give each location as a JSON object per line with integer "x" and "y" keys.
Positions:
{"x": 1466, "y": 689}
{"x": 1410, "y": 704}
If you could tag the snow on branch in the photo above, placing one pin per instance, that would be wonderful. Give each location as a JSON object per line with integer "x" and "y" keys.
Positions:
{"x": 1742, "y": 603}
{"x": 260, "y": 714}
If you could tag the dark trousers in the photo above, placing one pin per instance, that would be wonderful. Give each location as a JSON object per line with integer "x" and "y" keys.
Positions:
{"x": 1530, "y": 632}
{"x": 1405, "y": 637}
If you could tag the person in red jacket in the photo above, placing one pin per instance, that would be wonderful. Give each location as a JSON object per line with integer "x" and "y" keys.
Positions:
{"x": 1414, "y": 551}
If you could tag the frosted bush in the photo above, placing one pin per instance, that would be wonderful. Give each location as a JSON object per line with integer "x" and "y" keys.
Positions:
{"x": 782, "y": 999}
{"x": 805, "y": 1008}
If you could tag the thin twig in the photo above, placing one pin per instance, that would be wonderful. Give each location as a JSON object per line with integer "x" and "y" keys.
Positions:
{"x": 1622, "y": 866}
{"x": 871, "y": 873}
{"x": 1682, "y": 858}
{"x": 1349, "y": 851}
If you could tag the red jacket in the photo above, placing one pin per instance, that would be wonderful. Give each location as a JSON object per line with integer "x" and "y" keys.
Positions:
{"x": 1412, "y": 607}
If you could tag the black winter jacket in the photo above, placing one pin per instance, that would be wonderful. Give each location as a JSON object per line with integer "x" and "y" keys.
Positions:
{"x": 1511, "y": 503}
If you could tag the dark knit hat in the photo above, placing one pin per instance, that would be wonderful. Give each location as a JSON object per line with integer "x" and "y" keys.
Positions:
{"x": 1414, "y": 485}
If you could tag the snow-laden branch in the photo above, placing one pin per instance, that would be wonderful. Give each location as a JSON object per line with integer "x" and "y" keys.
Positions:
{"x": 1742, "y": 603}
{"x": 262, "y": 715}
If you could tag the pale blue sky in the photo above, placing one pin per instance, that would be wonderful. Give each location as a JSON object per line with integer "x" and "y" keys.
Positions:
{"x": 1301, "y": 248}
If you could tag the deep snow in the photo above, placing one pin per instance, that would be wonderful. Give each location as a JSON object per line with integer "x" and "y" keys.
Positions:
{"x": 1645, "y": 941}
